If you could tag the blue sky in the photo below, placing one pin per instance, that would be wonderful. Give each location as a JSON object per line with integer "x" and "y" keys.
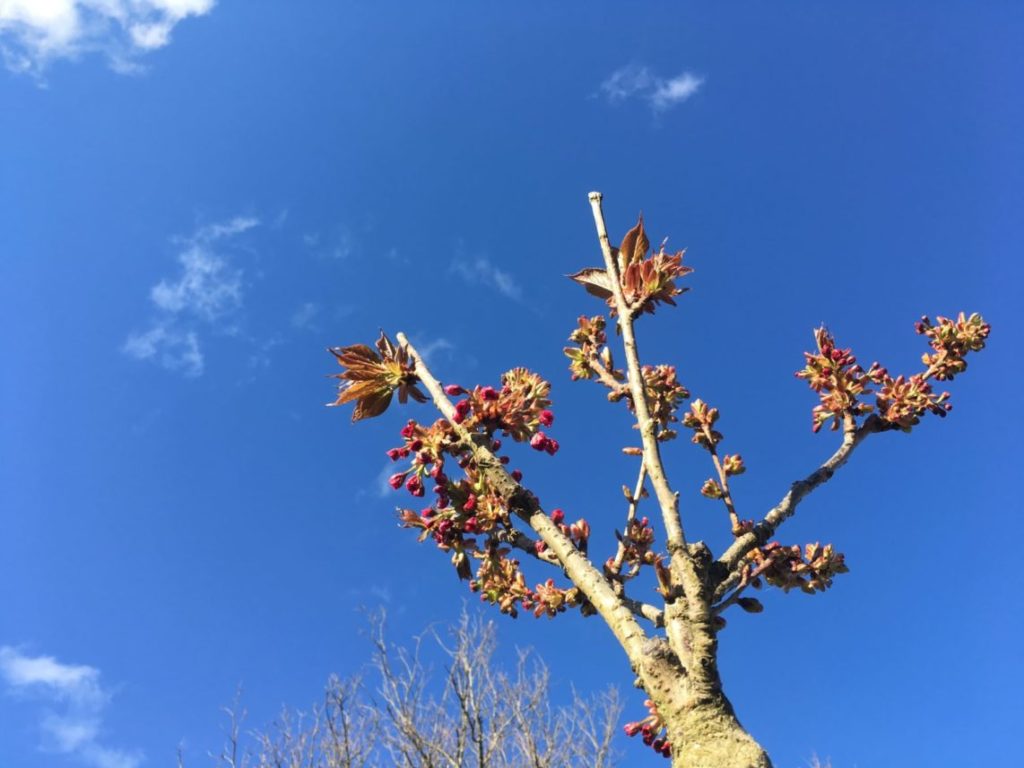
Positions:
{"x": 197, "y": 198}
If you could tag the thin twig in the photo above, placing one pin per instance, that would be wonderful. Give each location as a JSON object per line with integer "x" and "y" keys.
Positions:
{"x": 634, "y": 502}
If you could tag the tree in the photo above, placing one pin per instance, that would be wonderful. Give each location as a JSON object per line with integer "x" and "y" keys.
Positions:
{"x": 481, "y": 716}
{"x": 480, "y": 518}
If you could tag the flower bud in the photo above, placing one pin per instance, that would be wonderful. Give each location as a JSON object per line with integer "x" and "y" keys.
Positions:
{"x": 557, "y": 516}
{"x": 547, "y": 418}
{"x": 414, "y": 485}
{"x": 454, "y": 390}
{"x": 396, "y": 480}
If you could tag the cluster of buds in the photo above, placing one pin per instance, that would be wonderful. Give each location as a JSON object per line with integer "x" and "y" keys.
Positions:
{"x": 810, "y": 569}
{"x": 518, "y": 409}
{"x": 469, "y": 519}
{"x": 952, "y": 340}
{"x": 645, "y": 280}
{"x": 903, "y": 401}
{"x": 839, "y": 381}
{"x": 500, "y": 582}
{"x": 634, "y": 550}
{"x": 578, "y": 533}
{"x": 591, "y": 355}
{"x": 731, "y": 464}
{"x": 664, "y": 396}
{"x": 549, "y": 600}
{"x": 701, "y": 419}
{"x": 652, "y": 730}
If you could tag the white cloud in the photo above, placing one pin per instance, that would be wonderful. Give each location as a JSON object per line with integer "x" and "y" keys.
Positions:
{"x": 482, "y": 272}
{"x": 206, "y": 287}
{"x": 636, "y": 81}
{"x": 206, "y": 294}
{"x": 75, "y": 691}
{"x": 668, "y": 93}
{"x": 34, "y": 33}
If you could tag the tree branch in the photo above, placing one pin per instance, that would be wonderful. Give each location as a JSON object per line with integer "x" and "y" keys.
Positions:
{"x": 667, "y": 500}
{"x": 580, "y": 570}
{"x": 737, "y": 551}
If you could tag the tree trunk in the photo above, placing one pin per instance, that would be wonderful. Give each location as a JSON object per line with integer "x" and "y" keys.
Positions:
{"x": 702, "y": 726}
{"x": 706, "y": 734}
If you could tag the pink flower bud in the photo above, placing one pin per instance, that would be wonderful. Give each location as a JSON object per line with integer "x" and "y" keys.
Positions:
{"x": 551, "y": 447}
{"x": 632, "y": 729}
{"x": 557, "y": 516}
{"x": 470, "y": 504}
{"x": 454, "y": 390}
{"x": 470, "y": 525}
{"x": 394, "y": 454}
{"x": 539, "y": 441}
{"x": 396, "y": 480}
{"x": 547, "y": 418}
{"x": 489, "y": 393}
{"x": 539, "y": 547}
{"x": 414, "y": 485}
{"x": 409, "y": 429}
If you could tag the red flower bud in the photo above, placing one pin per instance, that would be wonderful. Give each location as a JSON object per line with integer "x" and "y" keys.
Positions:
{"x": 394, "y": 454}
{"x": 415, "y": 445}
{"x": 454, "y": 390}
{"x": 547, "y": 418}
{"x": 462, "y": 407}
{"x": 539, "y": 441}
{"x": 470, "y": 525}
{"x": 409, "y": 429}
{"x": 414, "y": 485}
{"x": 517, "y": 475}
{"x": 496, "y": 445}
{"x": 489, "y": 393}
{"x": 551, "y": 447}
{"x": 470, "y": 504}
{"x": 557, "y": 516}
{"x": 539, "y": 547}
{"x": 396, "y": 480}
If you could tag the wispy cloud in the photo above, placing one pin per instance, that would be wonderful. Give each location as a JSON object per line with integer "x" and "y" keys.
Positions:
{"x": 433, "y": 347}
{"x": 34, "y": 33}
{"x": 206, "y": 294}
{"x": 480, "y": 271}
{"x": 73, "y": 703}
{"x": 638, "y": 82}
{"x": 339, "y": 245}
{"x": 304, "y": 318}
